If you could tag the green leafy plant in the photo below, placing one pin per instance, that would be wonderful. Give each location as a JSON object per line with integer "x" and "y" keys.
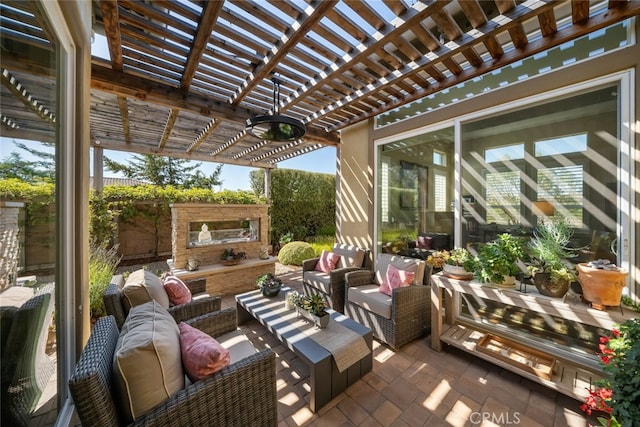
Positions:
{"x": 619, "y": 393}
{"x": 314, "y": 304}
{"x": 460, "y": 257}
{"x": 549, "y": 248}
{"x": 103, "y": 262}
{"x": 268, "y": 280}
{"x": 498, "y": 258}
{"x": 232, "y": 254}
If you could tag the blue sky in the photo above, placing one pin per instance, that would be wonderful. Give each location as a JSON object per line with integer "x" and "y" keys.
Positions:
{"x": 233, "y": 177}
{"x": 237, "y": 177}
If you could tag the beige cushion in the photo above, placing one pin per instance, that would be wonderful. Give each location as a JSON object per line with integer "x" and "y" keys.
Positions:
{"x": 15, "y": 296}
{"x": 369, "y": 298}
{"x": 402, "y": 263}
{"x": 146, "y": 364}
{"x": 143, "y": 286}
{"x": 350, "y": 256}
{"x": 238, "y": 345}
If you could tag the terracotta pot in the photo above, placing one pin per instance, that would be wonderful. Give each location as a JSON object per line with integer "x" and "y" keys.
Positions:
{"x": 601, "y": 287}
{"x": 545, "y": 286}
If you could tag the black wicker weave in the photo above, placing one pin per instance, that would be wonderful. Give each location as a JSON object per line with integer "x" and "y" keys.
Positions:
{"x": 241, "y": 394}
{"x": 115, "y": 307}
{"x": 410, "y": 310}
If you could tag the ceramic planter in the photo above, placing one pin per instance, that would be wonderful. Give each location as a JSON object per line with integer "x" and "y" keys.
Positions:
{"x": 545, "y": 286}
{"x": 507, "y": 282}
{"x": 320, "y": 321}
{"x": 601, "y": 287}
{"x": 456, "y": 272}
{"x": 270, "y": 292}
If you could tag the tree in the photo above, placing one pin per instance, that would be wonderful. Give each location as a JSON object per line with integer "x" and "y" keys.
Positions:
{"x": 14, "y": 166}
{"x": 163, "y": 171}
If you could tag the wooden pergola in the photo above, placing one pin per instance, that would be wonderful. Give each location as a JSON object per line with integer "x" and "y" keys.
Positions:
{"x": 184, "y": 76}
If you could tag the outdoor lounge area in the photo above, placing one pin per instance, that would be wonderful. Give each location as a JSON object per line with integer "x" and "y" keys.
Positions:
{"x": 412, "y": 386}
{"x": 452, "y": 128}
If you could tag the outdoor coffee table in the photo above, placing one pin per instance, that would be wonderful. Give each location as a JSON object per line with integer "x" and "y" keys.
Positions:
{"x": 326, "y": 380}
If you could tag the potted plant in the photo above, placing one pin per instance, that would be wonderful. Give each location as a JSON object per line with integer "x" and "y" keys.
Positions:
{"x": 602, "y": 282}
{"x": 549, "y": 249}
{"x": 497, "y": 261}
{"x": 269, "y": 284}
{"x": 459, "y": 264}
{"x": 437, "y": 259}
{"x": 617, "y": 395}
{"x": 313, "y": 308}
{"x": 231, "y": 257}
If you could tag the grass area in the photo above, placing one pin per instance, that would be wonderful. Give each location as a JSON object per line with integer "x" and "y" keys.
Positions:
{"x": 319, "y": 243}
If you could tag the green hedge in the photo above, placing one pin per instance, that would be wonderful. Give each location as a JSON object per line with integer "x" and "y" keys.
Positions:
{"x": 303, "y": 203}
{"x": 117, "y": 200}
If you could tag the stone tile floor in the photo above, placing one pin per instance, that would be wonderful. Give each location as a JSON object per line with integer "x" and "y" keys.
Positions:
{"x": 415, "y": 386}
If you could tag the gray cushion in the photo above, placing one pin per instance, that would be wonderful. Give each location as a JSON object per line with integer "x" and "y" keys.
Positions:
{"x": 350, "y": 256}
{"x": 143, "y": 286}
{"x": 369, "y": 298}
{"x": 319, "y": 280}
{"x": 238, "y": 345}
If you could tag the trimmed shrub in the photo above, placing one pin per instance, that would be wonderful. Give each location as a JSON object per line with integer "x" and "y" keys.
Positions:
{"x": 295, "y": 252}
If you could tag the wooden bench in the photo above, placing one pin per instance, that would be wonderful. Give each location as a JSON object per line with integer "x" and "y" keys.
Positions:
{"x": 230, "y": 280}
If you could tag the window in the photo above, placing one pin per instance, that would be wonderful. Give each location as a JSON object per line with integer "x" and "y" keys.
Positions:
{"x": 564, "y": 145}
{"x": 508, "y": 152}
{"x": 563, "y": 187}
{"x": 439, "y": 158}
{"x": 503, "y": 197}
{"x": 440, "y": 192}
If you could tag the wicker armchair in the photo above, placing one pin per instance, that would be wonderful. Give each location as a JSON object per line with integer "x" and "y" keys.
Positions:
{"x": 26, "y": 368}
{"x": 331, "y": 285}
{"x": 397, "y": 319}
{"x": 241, "y": 394}
{"x": 199, "y": 305}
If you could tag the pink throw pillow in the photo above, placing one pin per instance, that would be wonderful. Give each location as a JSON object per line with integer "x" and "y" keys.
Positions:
{"x": 396, "y": 278}
{"x": 177, "y": 291}
{"x": 424, "y": 242}
{"x": 327, "y": 261}
{"x": 201, "y": 354}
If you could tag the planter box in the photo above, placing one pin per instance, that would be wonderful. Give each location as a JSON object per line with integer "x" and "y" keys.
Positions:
{"x": 320, "y": 321}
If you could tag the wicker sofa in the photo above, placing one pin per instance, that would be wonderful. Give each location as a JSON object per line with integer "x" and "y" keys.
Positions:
{"x": 240, "y": 394}
{"x": 331, "y": 285}
{"x": 202, "y": 303}
{"x": 397, "y": 319}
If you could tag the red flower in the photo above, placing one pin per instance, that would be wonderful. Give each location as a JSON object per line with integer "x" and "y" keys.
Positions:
{"x": 615, "y": 333}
